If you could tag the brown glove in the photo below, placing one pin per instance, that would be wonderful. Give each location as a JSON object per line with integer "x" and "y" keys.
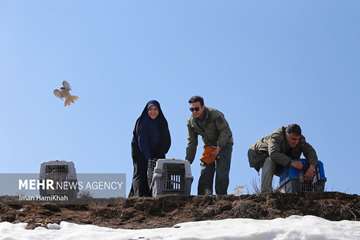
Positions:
{"x": 209, "y": 155}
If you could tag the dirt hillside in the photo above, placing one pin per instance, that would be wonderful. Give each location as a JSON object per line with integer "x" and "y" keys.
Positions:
{"x": 167, "y": 211}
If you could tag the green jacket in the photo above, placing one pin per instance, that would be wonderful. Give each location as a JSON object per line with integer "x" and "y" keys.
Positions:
{"x": 276, "y": 146}
{"x": 213, "y": 129}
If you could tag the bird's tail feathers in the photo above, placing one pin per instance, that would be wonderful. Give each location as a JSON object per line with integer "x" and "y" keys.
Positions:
{"x": 70, "y": 99}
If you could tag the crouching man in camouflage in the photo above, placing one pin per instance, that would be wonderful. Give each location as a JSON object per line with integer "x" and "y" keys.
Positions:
{"x": 282, "y": 148}
{"x": 211, "y": 125}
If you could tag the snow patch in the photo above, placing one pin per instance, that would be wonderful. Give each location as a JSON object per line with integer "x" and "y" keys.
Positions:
{"x": 291, "y": 228}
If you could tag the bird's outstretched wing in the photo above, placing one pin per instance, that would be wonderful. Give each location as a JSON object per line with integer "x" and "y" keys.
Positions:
{"x": 57, "y": 93}
{"x": 66, "y": 85}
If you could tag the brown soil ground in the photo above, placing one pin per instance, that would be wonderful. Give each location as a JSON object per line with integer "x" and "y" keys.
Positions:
{"x": 166, "y": 211}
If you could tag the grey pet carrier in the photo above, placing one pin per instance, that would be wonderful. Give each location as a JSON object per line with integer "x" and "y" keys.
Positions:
{"x": 63, "y": 174}
{"x": 171, "y": 176}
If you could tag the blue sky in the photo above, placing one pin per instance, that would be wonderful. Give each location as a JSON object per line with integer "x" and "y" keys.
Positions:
{"x": 264, "y": 64}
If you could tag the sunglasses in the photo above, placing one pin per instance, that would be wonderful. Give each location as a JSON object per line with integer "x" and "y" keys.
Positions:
{"x": 195, "y": 109}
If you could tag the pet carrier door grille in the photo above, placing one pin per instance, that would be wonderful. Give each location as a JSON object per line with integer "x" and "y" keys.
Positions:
{"x": 174, "y": 177}
{"x": 56, "y": 169}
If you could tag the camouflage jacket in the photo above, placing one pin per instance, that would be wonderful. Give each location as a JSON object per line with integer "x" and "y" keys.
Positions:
{"x": 276, "y": 146}
{"x": 213, "y": 129}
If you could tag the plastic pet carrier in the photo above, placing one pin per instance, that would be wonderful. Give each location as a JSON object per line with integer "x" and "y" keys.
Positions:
{"x": 63, "y": 174}
{"x": 171, "y": 177}
{"x": 292, "y": 180}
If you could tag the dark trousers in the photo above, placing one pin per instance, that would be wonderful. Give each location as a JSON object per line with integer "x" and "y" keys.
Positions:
{"x": 221, "y": 167}
{"x": 140, "y": 187}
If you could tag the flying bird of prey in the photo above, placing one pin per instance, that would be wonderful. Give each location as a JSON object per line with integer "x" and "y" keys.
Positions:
{"x": 64, "y": 93}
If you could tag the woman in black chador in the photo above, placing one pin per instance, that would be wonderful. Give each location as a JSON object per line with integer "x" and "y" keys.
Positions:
{"x": 151, "y": 139}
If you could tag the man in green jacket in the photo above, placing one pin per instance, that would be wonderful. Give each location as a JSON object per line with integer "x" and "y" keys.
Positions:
{"x": 282, "y": 148}
{"x": 211, "y": 125}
